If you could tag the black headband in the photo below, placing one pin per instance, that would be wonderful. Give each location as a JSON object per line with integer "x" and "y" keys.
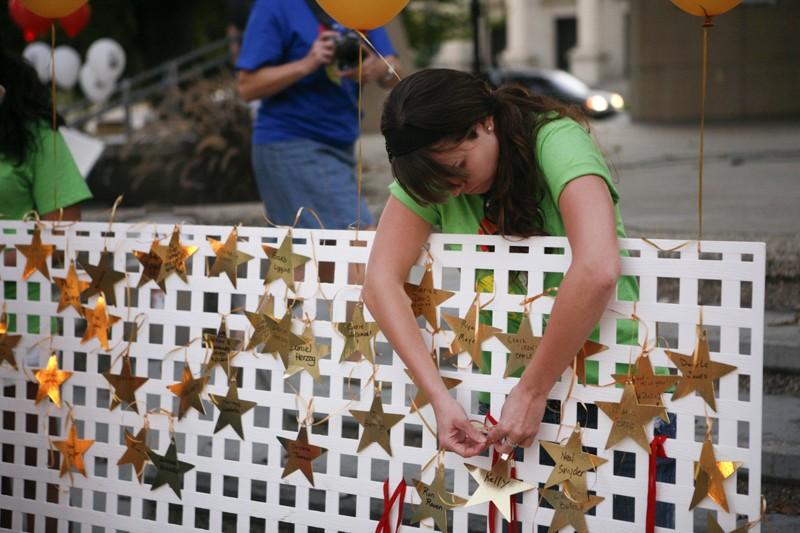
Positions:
{"x": 404, "y": 140}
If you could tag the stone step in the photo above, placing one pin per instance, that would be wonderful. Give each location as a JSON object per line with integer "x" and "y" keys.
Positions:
{"x": 780, "y": 455}
{"x": 782, "y": 342}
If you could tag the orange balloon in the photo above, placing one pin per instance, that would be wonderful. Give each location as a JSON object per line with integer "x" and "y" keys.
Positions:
{"x": 362, "y": 14}
{"x": 702, "y": 8}
{"x": 53, "y": 9}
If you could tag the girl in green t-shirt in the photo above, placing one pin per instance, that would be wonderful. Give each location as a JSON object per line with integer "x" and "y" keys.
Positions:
{"x": 469, "y": 159}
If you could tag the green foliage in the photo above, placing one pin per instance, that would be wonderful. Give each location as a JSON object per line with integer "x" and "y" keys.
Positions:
{"x": 429, "y": 23}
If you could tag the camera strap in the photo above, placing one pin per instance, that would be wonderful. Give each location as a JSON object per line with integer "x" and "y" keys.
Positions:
{"x": 320, "y": 14}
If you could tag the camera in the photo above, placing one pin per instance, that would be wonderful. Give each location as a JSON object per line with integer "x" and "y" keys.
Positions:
{"x": 346, "y": 51}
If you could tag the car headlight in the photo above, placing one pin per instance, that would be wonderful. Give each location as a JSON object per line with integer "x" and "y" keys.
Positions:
{"x": 597, "y": 103}
{"x": 617, "y": 102}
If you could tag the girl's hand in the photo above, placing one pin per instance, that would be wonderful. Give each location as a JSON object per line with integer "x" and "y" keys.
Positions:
{"x": 519, "y": 420}
{"x": 455, "y": 431}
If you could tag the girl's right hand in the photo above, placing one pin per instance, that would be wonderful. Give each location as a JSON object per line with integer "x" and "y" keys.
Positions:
{"x": 455, "y": 432}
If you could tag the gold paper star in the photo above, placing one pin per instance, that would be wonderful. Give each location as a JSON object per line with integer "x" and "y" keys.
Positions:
{"x": 358, "y": 336}
{"x": 36, "y": 255}
{"x": 125, "y": 385}
{"x": 648, "y": 385}
{"x": 496, "y": 486}
{"x": 104, "y": 277}
{"x": 300, "y": 455}
{"x": 588, "y": 349}
{"x": 261, "y": 330}
{"x": 469, "y": 334}
{"x": 231, "y": 409}
{"x": 189, "y": 390}
{"x": 223, "y": 348}
{"x": 436, "y": 501}
{"x": 136, "y": 453}
{"x": 50, "y": 380}
{"x": 174, "y": 256}
{"x": 629, "y": 418}
{"x": 377, "y": 425}
{"x": 169, "y": 470}
{"x": 568, "y": 512}
{"x": 282, "y": 262}
{"x": 698, "y": 370}
{"x": 151, "y": 266}
{"x": 281, "y": 340}
{"x": 305, "y": 356}
{"x": 72, "y": 451}
{"x": 98, "y": 322}
{"x": 709, "y": 475}
{"x": 522, "y": 346}
{"x": 71, "y": 288}
{"x": 421, "y": 399}
{"x": 572, "y": 463}
{"x": 425, "y": 299}
{"x": 228, "y": 257}
{"x": 7, "y": 343}
{"x": 712, "y": 526}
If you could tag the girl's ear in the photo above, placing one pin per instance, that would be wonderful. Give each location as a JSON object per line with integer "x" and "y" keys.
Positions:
{"x": 488, "y": 123}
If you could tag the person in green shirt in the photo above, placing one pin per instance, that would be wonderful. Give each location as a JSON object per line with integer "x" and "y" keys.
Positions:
{"x": 469, "y": 159}
{"x": 37, "y": 171}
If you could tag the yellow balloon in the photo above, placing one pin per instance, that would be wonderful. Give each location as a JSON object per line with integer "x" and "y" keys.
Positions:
{"x": 362, "y": 14}
{"x": 53, "y": 9}
{"x": 702, "y": 8}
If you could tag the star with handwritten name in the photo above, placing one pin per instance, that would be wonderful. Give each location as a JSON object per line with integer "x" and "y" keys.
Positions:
{"x": 425, "y": 298}
{"x": 283, "y": 262}
{"x": 469, "y": 334}
{"x": 72, "y": 450}
{"x": 436, "y": 501}
{"x": 104, "y": 278}
{"x": 377, "y": 425}
{"x": 231, "y": 409}
{"x": 521, "y": 346}
{"x": 496, "y": 486}
{"x": 36, "y": 255}
{"x": 151, "y": 266}
{"x": 125, "y": 385}
{"x": 300, "y": 455}
{"x": 98, "y": 322}
{"x": 358, "y": 337}
{"x": 228, "y": 257}
{"x": 305, "y": 356}
{"x": 629, "y": 418}
{"x": 648, "y": 385}
{"x": 174, "y": 256}
{"x": 698, "y": 371}
{"x": 571, "y": 466}
{"x": 223, "y": 348}
{"x": 71, "y": 288}
{"x": 189, "y": 390}
{"x": 569, "y": 512}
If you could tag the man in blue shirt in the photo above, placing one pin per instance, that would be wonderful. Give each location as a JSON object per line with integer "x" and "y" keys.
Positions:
{"x": 308, "y": 120}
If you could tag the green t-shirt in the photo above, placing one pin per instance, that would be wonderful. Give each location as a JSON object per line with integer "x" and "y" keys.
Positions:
{"x": 47, "y": 181}
{"x": 564, "y": 151}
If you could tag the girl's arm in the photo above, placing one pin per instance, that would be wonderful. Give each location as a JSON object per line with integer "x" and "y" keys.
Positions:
{"x": 398, "y": 241}
{"x": 588, "y": 214}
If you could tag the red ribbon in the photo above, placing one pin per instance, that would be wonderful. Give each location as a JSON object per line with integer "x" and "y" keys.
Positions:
{"x": 512, "y": 526}
{"x": 384, "y": 524}
{"x": 656, "y": 450}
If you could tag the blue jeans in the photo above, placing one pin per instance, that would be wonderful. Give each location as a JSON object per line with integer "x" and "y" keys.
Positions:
{"x": 305, "y": 173}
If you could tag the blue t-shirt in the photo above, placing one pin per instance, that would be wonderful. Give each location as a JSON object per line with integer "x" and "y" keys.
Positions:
{"x": 315, "y": 107}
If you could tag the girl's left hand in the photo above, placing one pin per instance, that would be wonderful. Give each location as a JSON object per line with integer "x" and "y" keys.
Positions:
{"x": 519, "y": 420}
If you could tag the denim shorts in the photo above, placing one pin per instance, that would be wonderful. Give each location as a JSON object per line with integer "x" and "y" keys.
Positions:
{"x": 310, "y": 174}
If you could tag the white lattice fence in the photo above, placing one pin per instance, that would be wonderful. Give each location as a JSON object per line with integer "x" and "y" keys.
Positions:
{"x": 236, "y": 485}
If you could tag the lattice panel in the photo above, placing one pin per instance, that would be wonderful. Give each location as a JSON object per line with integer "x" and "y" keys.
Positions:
{"x": 236, "y": 485}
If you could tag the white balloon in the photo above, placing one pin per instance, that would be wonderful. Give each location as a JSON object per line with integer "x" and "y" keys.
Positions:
{"x": 38, "y": 55}
{"x": 97, "y": 91}
{"x": 107, "y": 59}
{"x": 68, "y": 64}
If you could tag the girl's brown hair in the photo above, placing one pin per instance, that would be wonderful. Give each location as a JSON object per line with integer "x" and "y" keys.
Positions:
{"x": 452, "y": 103}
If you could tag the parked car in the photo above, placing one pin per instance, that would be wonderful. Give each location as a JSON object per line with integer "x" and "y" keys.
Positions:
{"x": 562, "y": 86}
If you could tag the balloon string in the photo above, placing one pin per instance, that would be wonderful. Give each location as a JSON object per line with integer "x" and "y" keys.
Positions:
{"x": 54, "y": 116}
{"x": 360, "y": 155}
{"x": 706, "y": 25}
